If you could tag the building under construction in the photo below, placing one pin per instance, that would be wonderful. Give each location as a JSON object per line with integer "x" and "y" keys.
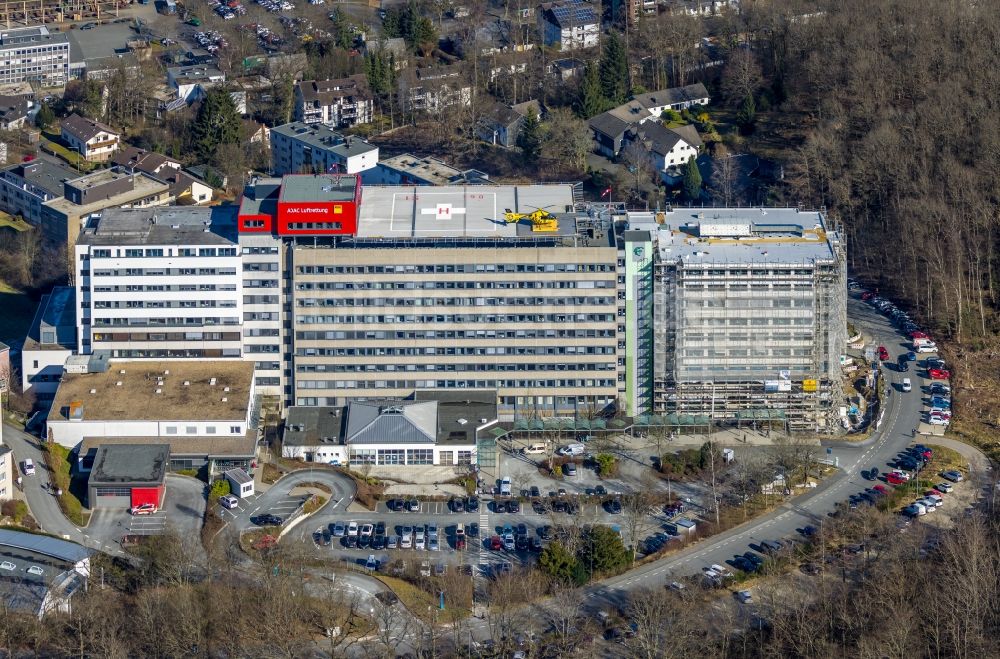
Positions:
{"x": 749, "y": 316}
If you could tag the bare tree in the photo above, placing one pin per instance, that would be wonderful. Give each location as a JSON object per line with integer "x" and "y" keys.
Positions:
{"x": 635, "y": 510}
{"x": 561, "y": 611}
{"x": 742, "y": 75}
{"x": 723, "y": 176}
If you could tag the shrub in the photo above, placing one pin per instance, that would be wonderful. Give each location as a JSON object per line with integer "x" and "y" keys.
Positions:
{"x": 315, "y": 503}
{"x": 16, "y": 510}
{"x": 193, "y": 473}
{"x": 219, "y": 488}
{"x": 671, "y": 115}
{"x": 607, "y": 464}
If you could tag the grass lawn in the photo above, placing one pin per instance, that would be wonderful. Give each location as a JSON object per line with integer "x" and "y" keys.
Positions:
{"x": 57, "y": 459}
{"x": 9, "y": 221}
{"x": 70, "y": 156}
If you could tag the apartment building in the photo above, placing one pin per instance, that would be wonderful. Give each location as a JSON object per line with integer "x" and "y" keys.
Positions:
{"x": 50, "y": 341}
{"x": 160, "y": 282}
{"x": 434, "y": 88}
{"x": 569, "y": 25}
{"x": 33, "y": 54}
{"x": 750, "y": 315}
{"x": 299, "y": 148}
{"x": 25, "y": 188}
{"x": 340, "y": 103}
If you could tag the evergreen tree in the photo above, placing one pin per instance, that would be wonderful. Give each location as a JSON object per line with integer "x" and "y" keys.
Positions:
{"x": 591, "y": 101}
{"x": 217, "y": 123}
{"x": 380, "y": 68}
{"x": 614, "y": 70}
{"x": 529, "y": 140}
{"x": 45, "y": 116}
{"x": 341, "y": 30}
{"x": 692, "y": 180}
{"x": 392, "y": 23}
{"x": 746, "y": 116}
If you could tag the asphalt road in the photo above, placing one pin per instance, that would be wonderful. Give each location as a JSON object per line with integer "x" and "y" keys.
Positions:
{"x": 277, "y": 500}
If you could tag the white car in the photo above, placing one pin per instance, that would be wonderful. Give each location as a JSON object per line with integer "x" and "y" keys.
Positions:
{"x": 366, "y": 530}
{"x": 28, "y": 467}
{"x": 936, "y": 498}
{"x": 920, "y": 508}
{"x": 907, "y": 385}
{"x": 929, "y": 504}
{"x": 7, "y": 565}
{"x": 352, "y": 528}
{"x": 944, "y": 487}
{"x": 421, "y": 543}
{"x": 901, "y": 474}
{"x": 35, "y": 570}
{"x": 228, "y": 501}
{"x": 938, "y": 420}
{"x": 405, "y": 541}
{"x": 927, "y": 347}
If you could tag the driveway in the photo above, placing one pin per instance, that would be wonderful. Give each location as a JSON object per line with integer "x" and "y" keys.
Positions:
{"x": 277, "y": 500}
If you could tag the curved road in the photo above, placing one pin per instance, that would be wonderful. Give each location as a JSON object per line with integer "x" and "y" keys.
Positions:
{"x": 342, "y": 490}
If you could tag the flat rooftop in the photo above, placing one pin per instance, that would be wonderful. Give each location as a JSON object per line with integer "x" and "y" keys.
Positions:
{"x": 100, "y": 43}
{"x": 318, "y": 187}
{"x": 430, "y": 169}
{"x": 48, "y": 176}
{"x": 143, "y": 186}
{"x": 130, "y": 463}
{"x": 456, "y": 211}
{"x": 99, "y": 396}
{"x": 200, "y": 447}
{"x": 30, "y": 36}
{"x": 162, "y": 225}
{"x": 745, "y": 235}
{"x": 319, "y": 136}
{"x": 194, "y": 73}
{"x": 261, "y": 197}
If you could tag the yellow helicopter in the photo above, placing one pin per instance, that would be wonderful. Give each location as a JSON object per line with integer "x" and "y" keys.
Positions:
{"x": 541, "y": 219}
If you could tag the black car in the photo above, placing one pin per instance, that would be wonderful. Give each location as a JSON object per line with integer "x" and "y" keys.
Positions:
{"x": 318, "y": 538}
{"x": 521, "y": 543}
{"x": 456, "y": 505}
{"x": 326, "y": 537}
{"x": 903, "y": 366}
{"x": 350, "y": 541}
{"x": 522, "y": 529}
{"x": 472, "y": 530}
{"x": 559, "y": 506}
{"x": 380, "y": 528}
{"x": 364, "y": 541}
{"x": 535, "y": 492}
{"x": 499, "y": 506}
{"x": 538, "y": 506}
{"x": 535, "y": 544}
{"x": 600, "y": 491}
{"x": 613, "y": 506}
{"x": 545, "y": 532}
{"x": 741, "y": 563}
{"x": 378, "y": 542}
{"x": 472, "y": 504}
{"x": 267, "y": 520}
{"x": 513, "y": 506}
{"x": 413, "y": 505}
{"x": 395, "y": 505}
{"x": 756, "y": 559}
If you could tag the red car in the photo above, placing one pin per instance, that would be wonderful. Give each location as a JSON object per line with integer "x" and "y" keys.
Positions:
{"x": 881, "y": 488}
{"x": 867, "y": 295}
{"x": 893, "y": 479}
{"x": 496, "y": 544}
{"x": 883, "y": 354}
{"x": 939, "y": 374}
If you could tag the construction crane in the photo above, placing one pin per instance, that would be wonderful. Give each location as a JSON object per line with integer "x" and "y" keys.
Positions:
{"x": 541, "y": 219}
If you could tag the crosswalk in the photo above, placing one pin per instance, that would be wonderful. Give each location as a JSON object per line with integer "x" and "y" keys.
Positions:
{"x": 484, "y": 535}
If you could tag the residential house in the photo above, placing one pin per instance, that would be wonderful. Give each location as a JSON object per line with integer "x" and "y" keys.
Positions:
{"x": 25, "y": 188}
{"x": 93, "y": 140}
{"x": 185, "y": 188}
{"x": 13, "y": 112}
{"x": 502, "y": 125}
{"x": 669, "y": 149}
{"x": 700, "y": 7}
{"x": 566, "y": 68}
{"x": 191, "y": 82}
{"x": 438, "y": 87}
{"x": 569, "y": 25}
{"x": 339, "y": 103}
{"x": 609, "y": 128}
{"x": 255, "y": 132}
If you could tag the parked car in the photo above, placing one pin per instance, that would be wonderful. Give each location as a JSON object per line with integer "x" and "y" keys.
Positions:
{"x": 143, "y": 509}
{"x": 927, "y": 347}
{"x": 569, "y": 469}
{"x": 496, "y": 543}
{"x": 911, "y": 356}
{"x": 914, "y": 510}
{"x": 883, "y": 354}
{"x": 940, "y": 389}
{"x": 472, "y": 504}
{"x": 939, "y": 374}
{"x": 457, "y": 505}
{"x": 894, "y": 479}
{"x": 944, "y": 487}
{"x": 953, "y": 476}
{"x": 744, "y": 597}
{"x": 413, "y": 505}
{"x": 352, "y": 528}
{"x": 267, "y": 520}
{"x": 339, "y": 529}
{"x": 367, "y": 530}
{"x": 228, "y": 501}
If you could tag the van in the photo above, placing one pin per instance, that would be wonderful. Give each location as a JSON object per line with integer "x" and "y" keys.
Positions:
{"x": 505, "y": 486}
{"x": 28, "y": 467}
{"x": 534, "y": 449}
{"x": 573, "y": 449}
{"x": 907, "y": 385}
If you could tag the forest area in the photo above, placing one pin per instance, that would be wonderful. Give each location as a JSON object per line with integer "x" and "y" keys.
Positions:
{"x": 898, "y": 100}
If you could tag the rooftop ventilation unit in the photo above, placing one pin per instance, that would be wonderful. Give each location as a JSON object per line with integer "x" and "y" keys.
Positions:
{"x": 159, "y": 391}
{"x": 122, "y": 372}
{"x": 462, "y": 422}
{"x": 93, "y": 391}
{"x": 225, "y": 388}
{"x": 211, "y": 382}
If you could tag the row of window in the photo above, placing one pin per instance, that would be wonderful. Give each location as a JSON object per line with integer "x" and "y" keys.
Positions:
{"x": 692, "y": 321}
{"x": 412, "y": 352}
{"x": 447, "y": 285}
{"x": 450, "y": 368}
{"x": 159, "y": 252}
{"x": 745, "y": 352}
{"x": 260, "y": 250}
{"x": 462, "y": 384}
{"x": 147, "y": 353}
{"x": 193, "y": 430}
{"x": 260, "y": 267}
{"x": 162, "y": 288}
{"x": 463, "y": 318}
{"x": 162, "y": 322}
{"x": 165, "y": 304}
{"x": 461, "y": 334}
{"x": 166, "y": 336}
{"x": 453, "y": 301}
{"x": 452, "y": 268}
{"x": 160, "y": 272}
